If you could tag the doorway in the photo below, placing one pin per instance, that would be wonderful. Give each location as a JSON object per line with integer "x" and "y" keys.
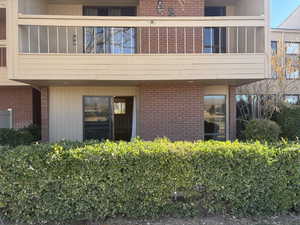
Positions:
{"x": 106, "y": 117}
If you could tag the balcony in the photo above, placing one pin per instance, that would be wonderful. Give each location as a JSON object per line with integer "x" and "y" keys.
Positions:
{"x": 88, "y": 48}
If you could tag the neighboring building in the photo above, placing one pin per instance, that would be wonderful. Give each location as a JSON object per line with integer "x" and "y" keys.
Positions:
{"x": 288, "y": 35}
{"x": 285, "y": 41}
{"x": 19, "y": 103}
{"x": 149, "y": 68}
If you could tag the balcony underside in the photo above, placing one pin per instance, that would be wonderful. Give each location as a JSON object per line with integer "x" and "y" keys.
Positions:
{"x": 91, "y": 69}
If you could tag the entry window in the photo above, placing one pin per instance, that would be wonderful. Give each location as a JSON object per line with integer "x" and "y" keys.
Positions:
{"x": 107, "y": 117}
{"x": 97, "y": 119}
{"x": 215, "y": 117}
{"x": 120, "y": 107}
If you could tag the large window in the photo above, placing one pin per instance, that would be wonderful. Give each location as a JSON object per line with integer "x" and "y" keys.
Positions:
{"x": 215, "y": 38}
{"x": 293, "y": 48}
{"x": 292, "y": 99}
{"x": 111, "y": 40}
{"x": 215, "y": 117}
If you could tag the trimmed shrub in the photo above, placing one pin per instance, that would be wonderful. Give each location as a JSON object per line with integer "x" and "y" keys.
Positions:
{"x": 289, "y": 120}
{"x": 24, "y": 136}
{"x": 93, "y": 181}
{"x": 13, "y": 138}
{"x": 262, "y": 130}
{"x": 35, "y": 131}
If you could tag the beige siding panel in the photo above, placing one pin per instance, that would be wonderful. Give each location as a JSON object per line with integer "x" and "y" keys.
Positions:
{"x": 4, "y": 79}
{"x": 65, "y": 111}
{"x": 37, "y": 7}
{"x": 64, "y": 9}
{"x": 137, "y": 67}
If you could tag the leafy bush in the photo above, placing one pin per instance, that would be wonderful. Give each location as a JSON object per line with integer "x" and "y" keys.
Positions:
{"x": 88, "y": 181}
{"x": 289, "y": 120}
{"x": 35, "y": 131}
{"x": 13, "y": 138}
{"x": 262, "y": 130}
{"x": 24, "y": 136}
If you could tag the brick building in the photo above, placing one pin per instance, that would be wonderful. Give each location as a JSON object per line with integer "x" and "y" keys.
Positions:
{"x": 126, "y": 68}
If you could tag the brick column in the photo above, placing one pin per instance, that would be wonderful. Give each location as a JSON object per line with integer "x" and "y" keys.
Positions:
{"x": 45, "y": 113}
{"x": 172, "y": 111}
{"x": 232, "y": 113}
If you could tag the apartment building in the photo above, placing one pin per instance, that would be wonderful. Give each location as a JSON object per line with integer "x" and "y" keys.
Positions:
{"x": 125, "y": 68}
{"x": 19, "y": 102}
{"x": 285, "y": 41}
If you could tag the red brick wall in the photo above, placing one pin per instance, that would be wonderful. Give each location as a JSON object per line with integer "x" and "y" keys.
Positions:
{"x": 20, "y": 100}
{"x": 232, "y": 113}
{"x": 180, "y": 7}
{"x": 180, "y": 40}
{"x": 173, "y": 111}
{"x": 45, "y": 113}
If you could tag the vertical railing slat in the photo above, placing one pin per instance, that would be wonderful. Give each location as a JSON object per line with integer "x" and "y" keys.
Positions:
{"x": 67, "y": 40}
{"x": 39, "y": 40}
{"x": 57, "y": 39}
{"x": 95, "y": 41}
{"x": 48, "y": 39}
{"x": 167, "y": 40}
{"x": 176, "y": 39}
{"x": 237, "y": 39}
{"x": 29, "y": 38}
{"x": 158, "y": 41}
{"x": 194, "y": 47}
{"x": 255, "y": 39}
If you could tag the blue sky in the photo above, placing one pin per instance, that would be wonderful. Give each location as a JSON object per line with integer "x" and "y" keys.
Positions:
{"x": 281, "y": 9}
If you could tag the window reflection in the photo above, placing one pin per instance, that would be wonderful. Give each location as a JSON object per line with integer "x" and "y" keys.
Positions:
{"x": 215, "y": 117}
{"x": 292, "y": 99}
{"x": 293, "y": 48}
{"x": 111, "y": 40}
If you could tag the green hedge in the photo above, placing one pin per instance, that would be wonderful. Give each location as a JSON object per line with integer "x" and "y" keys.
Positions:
{"x": 90, "y": 181}
{"x": 16, "y": 137}
{"x": 289, "y": 120}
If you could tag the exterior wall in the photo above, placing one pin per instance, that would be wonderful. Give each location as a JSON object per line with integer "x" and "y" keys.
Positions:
{"x": 181, "y": 8}
{"x": 65, "y": 109}
{"x": 173, "y": 111}
{"x": 163, "y": 110}
{"x": 19, "y": 99}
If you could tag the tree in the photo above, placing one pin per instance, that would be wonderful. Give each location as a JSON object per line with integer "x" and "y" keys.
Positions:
{"x": 264, "y": 97}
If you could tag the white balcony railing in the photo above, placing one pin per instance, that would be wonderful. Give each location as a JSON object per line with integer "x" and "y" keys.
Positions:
{"x": 140, "y": 35}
